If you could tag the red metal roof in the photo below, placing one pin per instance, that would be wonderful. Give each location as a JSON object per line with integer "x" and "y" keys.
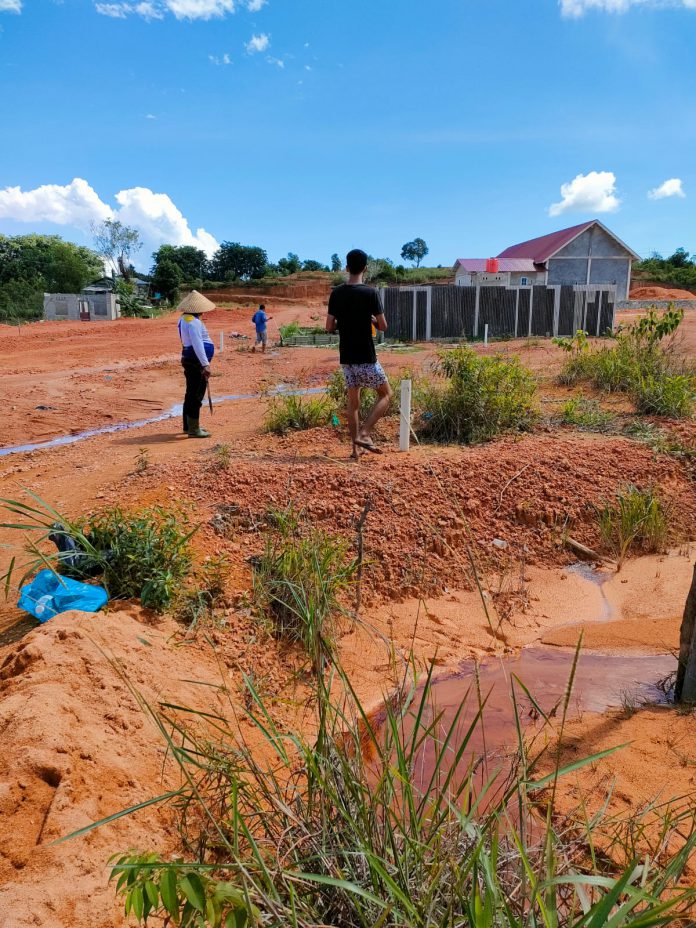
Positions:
{"x": 514, "y": 265}
{"x": 541, "y": 249}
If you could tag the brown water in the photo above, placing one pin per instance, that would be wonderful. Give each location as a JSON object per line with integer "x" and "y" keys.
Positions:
{"x": 602, "y": 681}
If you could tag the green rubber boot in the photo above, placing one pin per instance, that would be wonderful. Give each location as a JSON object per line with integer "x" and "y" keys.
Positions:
{"x": 195, "y": 430}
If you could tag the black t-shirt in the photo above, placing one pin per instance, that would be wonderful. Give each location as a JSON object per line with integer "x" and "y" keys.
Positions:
{"x": 353, "y": 306}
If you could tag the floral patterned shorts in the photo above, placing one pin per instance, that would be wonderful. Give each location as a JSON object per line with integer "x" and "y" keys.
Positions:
{"x": 370, "y": 376}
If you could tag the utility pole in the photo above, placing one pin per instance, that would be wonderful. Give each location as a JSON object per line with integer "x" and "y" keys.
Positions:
{"x": 685, "y": 688}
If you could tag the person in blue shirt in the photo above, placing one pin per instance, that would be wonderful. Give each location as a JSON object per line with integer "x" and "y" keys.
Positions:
{"x": 260, "y": 320}
{"x": 197, "y": 351}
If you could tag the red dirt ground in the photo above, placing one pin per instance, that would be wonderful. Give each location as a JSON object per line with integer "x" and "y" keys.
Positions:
{"x": 76, "y": 746}
{"x": 660, "y": 294}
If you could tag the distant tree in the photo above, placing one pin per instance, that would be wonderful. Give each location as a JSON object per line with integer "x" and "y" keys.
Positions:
{"x": 233, "y": 261}
{"x": 191, "y": 261}
{"x": 311, "y": 265}
{"x": 336, "y": 263}
{"x": 166, "y": 279}
{"x": 680, "y": 258}
{"x": 117, "y": 244}
{"x": 289, "y": 265}
{"x": 69, "y": 269}
{"x": 414, "y": 251}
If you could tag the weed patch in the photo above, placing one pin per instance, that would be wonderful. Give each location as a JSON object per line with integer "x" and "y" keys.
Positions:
{"x": 586, "y": 415}
{"x": 481, "y": 397}
{"x": 636, "y": 520}
{"x": 298, "y": 582}
{"x": 296, "y": 414}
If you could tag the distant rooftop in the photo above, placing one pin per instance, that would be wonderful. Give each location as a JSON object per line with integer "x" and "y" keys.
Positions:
{"x": 539, "y": 250}
{"x": 505, "y": 265}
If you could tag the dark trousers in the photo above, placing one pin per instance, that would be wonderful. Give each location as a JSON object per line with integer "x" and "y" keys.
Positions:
{"x": 196, "y": 385}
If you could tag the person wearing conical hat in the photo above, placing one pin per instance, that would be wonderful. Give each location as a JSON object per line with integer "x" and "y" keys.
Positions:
{"x": 197, "y": 352}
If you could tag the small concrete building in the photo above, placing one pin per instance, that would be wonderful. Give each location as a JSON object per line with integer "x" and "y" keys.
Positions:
{"x": 584, "y": 255}
{"x": 512, "y": 272}
{"x": 85, "y": 307}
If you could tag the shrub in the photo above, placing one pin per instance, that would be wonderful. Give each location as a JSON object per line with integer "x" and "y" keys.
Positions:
{"x": 296, "y": 413}
{"x": 586, "y": 414}
{"x": 290, "y": 330}
{"x": 637, "y": 520}
{"x": 298, "y": 581}
{"x": 669, "y": 395}
{"x": 639, "y": 363}
{"x": 481, "y": 398}
{"x": 137, "y": 555}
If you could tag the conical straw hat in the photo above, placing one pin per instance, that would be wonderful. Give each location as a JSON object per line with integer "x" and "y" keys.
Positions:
{"x": 195, "y": 303}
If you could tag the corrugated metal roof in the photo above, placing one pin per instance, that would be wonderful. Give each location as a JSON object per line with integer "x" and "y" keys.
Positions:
{"x": 505, "y": 266}
{"x": 540, "y": 249}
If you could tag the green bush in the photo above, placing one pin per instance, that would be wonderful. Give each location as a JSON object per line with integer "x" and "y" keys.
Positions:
{"x": 296, "y": 414}
{"x": 141, "y": 555}
{"x": 636, "y": 520}
{"x": 669, "y": 395}
{"x": 298, "y": 581}
{"x": 290, "y": 330}
{"x": 480, "y": 398}
{"x": 639, "y": 363}
{"x": 586, "y": 414}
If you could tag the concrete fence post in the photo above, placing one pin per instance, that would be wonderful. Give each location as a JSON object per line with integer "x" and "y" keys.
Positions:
{"x": 405, "y": 429}
{"x": 222, "y": 342}
{"x": 485, "y": 334}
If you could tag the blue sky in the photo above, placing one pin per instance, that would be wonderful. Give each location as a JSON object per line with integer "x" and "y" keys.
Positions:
{"x": 315, "y": 127}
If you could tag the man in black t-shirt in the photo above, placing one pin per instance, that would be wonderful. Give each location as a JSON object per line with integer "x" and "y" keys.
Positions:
{"x": 353, "y": 311}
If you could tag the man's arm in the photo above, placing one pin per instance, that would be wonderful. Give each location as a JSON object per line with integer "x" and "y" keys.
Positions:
{"x": 379, "y": 321}
{"x": 331, "y": 323}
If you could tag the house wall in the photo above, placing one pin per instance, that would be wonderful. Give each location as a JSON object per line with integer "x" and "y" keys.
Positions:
{"x": 533, "y": 277}
{"x": 593, "y": 257}
{"x": 66, "y": 306}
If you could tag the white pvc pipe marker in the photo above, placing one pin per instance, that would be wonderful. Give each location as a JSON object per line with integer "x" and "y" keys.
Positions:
{"x": 485, "y": 334}
{"x": 405, "y": 431}
{"x": 222, "y": 342}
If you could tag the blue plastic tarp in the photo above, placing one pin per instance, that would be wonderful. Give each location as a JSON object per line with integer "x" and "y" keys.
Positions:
{"x": 48, "y": 595}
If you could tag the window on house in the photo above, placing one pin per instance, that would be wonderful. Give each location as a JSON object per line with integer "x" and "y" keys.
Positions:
{"x": 524, "y": 281}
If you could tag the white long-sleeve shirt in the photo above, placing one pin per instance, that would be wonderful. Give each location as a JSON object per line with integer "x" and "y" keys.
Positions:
{"x": 194, "y": 338}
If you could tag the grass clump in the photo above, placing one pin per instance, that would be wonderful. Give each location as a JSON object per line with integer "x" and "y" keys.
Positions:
{"x": 142, "y": 555}
{"x": 586, "y": 415}
{"x": 642, "y": 362}
{"x": 481, "y": 397}
{"x": 298, "y": 582}
{"x": 353, "y": 828}
{"x": 297, "y": 413}
{"x": 636, "y": 520}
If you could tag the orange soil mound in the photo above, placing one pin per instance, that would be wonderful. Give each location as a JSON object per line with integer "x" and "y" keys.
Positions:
{"x": 660, "y": 293}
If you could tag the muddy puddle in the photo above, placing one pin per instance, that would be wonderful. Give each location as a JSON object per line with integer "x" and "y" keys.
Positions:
{"x": 172, "y": 413}
{"x": 602, "y": 682}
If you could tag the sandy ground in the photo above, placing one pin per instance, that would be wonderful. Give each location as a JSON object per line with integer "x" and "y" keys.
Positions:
{"x": 77, "y": 745}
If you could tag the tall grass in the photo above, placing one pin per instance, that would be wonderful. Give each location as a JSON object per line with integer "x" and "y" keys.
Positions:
{"x": 586, "y": 415}
{"x": 481, "y": 397}
{"x": 643, "y": 362}
{"x": 298, "y": 582}
{"x": 295, "y": 413}
{"x": 351, "y": 828}
{"x": 142, "y": 554}
{"x": 635, "y": 520}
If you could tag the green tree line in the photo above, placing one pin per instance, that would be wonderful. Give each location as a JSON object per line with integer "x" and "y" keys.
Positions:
{"x": 679, "y": 270}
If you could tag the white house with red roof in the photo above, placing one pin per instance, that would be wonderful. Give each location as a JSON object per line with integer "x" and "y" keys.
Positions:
{"x": 588, "y": 254}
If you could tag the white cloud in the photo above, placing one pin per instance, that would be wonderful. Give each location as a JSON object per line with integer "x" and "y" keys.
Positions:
{"x": 156, "y": 9}
{"x": 159, "y": 220}
{"x": 77, "y": 204}
{"x": 150, "y": 116}
{"x": 278, "y": 62}
{"x": 588, "y": 193}
{"x": 220, "y": 61}
{"x": 671, "y": 188}
{"x": 200, "y": 9}
{"x": 258, "y": 43}
{"x": 255, "y": 5}
{"x": 576, "y": 8}
{"x": 10, "y": 6}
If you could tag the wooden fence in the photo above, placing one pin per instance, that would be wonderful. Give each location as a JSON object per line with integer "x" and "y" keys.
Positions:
{"x": 426, "y": 313}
